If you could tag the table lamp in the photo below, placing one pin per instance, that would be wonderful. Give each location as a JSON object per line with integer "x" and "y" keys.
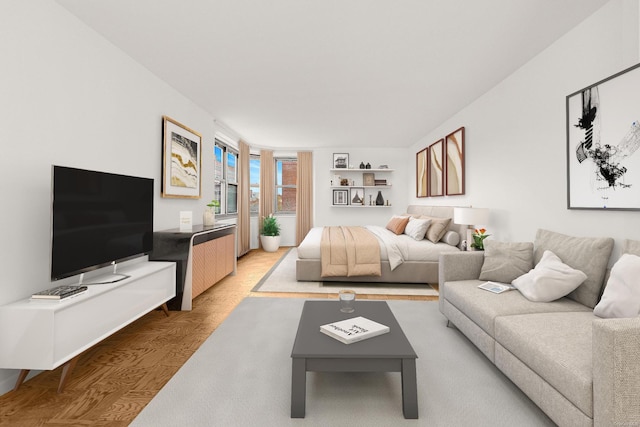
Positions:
{"x": 473, "y": 217}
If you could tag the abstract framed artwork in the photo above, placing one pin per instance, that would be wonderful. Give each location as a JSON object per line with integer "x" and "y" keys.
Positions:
{"x": 454, "y": 146}
{"x": 181, "y": 174}
{"x": 436, "y": 169}
{"x": 603, "y": 136}
{"x": 421, "y": 173}
{"x": 340, "y": 197}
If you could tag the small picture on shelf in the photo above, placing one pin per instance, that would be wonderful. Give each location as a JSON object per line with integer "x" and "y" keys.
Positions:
{"x": 368, "y": 179}
{"x": 357, "y": 196}
{"x": 340, "y": 197}
{"x": 340, "y": 160}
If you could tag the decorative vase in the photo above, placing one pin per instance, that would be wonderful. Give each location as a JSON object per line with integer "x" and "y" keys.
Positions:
{"x": 368, "y": 166}
{"x": 209, "y": 216}
{"x": 361, "y": 165}
{"x": 379, "y": 199}
{"x": 270, "y": 243}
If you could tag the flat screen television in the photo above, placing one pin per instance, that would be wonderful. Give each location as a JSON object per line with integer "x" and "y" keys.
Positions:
{"x": 97, "y": 219}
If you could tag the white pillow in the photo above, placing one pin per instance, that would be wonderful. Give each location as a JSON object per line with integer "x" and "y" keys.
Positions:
{"x": 549, "y": 280}
{"x": 621, "y": 297}
{"x": 416, "y": 228}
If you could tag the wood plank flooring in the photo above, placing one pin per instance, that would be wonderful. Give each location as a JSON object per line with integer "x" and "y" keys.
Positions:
{"x": 116, "y": 379}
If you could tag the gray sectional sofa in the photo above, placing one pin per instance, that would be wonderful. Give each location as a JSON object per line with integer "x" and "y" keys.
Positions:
{"x": 581, "y": 370}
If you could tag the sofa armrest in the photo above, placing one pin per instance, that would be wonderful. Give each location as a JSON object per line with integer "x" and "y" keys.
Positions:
{"x": 616, "y": 372}
{"x": 457, "y": 266}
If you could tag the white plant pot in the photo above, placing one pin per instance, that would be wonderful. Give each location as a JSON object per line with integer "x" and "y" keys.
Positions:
{"x": 209, "y": 217}
{"x": 270, "y": 243}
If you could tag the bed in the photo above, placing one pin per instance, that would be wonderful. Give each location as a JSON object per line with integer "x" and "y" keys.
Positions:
{"x": 420, "y": 263}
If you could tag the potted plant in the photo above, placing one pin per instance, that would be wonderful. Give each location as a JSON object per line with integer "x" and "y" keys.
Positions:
{"x": 478, "y": 239}
{"x": 270, "y": 234}
{"x": 209, "y": 217}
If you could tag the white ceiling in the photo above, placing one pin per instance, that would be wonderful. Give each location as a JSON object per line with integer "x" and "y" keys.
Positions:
{"x": 334, "y": 73}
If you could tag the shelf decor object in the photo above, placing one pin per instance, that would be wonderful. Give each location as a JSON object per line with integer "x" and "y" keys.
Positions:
{"x": 340, "y": 197}
{"x": 436, "y": 169}
{"x": 603, "y": 164}
{"x": 455, "y": 162}
{"x": 180, "y": 160}
{"x": 340, "y": 161}
{"x": 357, "y": 195}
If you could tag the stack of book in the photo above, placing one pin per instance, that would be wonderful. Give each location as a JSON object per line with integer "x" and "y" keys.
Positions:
{"x": 353, "y": 330}
{"x": 381, "y": 182}
{"x": 60, "y": 292}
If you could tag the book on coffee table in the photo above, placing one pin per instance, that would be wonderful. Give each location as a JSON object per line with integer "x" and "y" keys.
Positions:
{"x": 352, "y": 330}
{"x": 496, "y": 288}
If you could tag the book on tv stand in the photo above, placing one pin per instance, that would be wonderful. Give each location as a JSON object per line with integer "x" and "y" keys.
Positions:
{"x": 60, "y": 292}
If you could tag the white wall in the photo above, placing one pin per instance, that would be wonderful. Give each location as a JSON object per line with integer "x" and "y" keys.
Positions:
{"x": 400, "y": 179}
{"x": 69, "y": 97}
{"x": 515, "y": 134}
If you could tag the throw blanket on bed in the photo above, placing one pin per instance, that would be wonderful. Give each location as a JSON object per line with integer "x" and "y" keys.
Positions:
{"x": 349, "y": 251}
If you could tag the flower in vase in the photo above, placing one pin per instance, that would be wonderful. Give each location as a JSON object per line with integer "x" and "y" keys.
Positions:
{"x": 478, "y": 238}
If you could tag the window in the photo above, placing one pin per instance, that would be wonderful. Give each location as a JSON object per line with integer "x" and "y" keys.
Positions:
{"x": 286, "y": 181}
{"x": 225, "y": 178}
{"x": 254, "y": 184}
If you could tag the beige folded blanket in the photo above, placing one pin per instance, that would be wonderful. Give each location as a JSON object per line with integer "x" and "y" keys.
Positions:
{"x": 349, "y": 251}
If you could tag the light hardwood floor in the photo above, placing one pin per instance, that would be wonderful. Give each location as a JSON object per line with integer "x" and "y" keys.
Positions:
{"x": 114, "y": 380}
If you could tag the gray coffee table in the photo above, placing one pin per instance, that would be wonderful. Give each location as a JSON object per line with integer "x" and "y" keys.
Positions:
{"x": 315, "y": 352}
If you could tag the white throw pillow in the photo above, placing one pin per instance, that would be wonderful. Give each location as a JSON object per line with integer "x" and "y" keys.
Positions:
{"x": 549, "y": 280}
{"x": 621, "y": 297}
{"x": 416, "y": 228}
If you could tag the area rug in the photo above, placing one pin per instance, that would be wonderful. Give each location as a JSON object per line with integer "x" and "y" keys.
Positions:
{"x": 241, "y": 376}
{"x": 282, "y": 278}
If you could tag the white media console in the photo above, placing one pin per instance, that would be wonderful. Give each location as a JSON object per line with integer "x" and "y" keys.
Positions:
{"x": 45, "y": 334}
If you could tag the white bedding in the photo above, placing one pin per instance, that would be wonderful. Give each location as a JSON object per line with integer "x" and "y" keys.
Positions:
{"x": 399, "y": 248}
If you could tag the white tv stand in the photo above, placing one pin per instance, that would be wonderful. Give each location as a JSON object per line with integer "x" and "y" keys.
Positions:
{"x": 45, "y": 334}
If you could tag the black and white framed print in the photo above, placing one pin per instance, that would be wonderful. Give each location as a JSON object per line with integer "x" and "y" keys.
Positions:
{"x": 340, "y": 197}
{"x": 603, "y": 136}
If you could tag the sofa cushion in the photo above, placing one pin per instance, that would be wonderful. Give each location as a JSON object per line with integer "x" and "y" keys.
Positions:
{"x": 482, "y": 307}
{"x": 557, "y": 346}
{"x": 505, "y": 261}
{"x": 631, "y": 247}
{"x": 397, "y": 224}
{"x": 621, "y": 297}
{"x": 587, "y": 254}
{"x": 549, "y": 280}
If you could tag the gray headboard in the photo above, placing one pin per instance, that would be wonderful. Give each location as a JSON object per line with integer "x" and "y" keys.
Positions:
{"x": 440, "y": 212}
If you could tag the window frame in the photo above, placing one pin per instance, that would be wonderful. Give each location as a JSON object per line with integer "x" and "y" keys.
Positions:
{"x": 277, "y": 186}
{"x": 224, "y": 180}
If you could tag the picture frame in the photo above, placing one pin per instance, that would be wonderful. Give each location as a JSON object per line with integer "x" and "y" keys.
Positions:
{"x": 340, "y": 197}
{"x": 181, "y": 160}
{"x": 454, "y": 175}
{"x": 369, "y": 179}
{"x": 356, "y": 196}
{"x": 340, "y": 160}
{"x": 436, "y": 169}
{"x": 422, "y": 173}
{"x": 603, "y": 136}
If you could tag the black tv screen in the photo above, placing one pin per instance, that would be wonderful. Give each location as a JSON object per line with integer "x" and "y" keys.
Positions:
{"x": 98, "y": 218}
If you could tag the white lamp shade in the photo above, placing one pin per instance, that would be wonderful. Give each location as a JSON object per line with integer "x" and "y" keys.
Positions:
{"x": 471, "y": 216}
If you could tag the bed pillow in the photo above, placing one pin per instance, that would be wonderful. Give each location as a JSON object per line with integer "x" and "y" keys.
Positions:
{"x": 451, "y": 238}
{"x": 621, "y": 297}
{"x": 587, "y": 254}
{"x": 550, "y": 280}
{"x": 506, "y": 261}
{"x": 437, "y": 229}
{"x": 397, "y": 224}
{"x": 416, "y": 228}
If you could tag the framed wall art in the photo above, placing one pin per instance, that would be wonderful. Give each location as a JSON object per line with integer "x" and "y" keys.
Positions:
{"x": 181, "y": 174}
{"x": 356, "y": 195}
{"x": 421, "y": 173}
{"x": 436, "y": 169}
{"x": 340, "y": 197}
{"x": 603, "y": 137}
{"x": 454, "y": 175}
{"x": 340, "y": 161}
